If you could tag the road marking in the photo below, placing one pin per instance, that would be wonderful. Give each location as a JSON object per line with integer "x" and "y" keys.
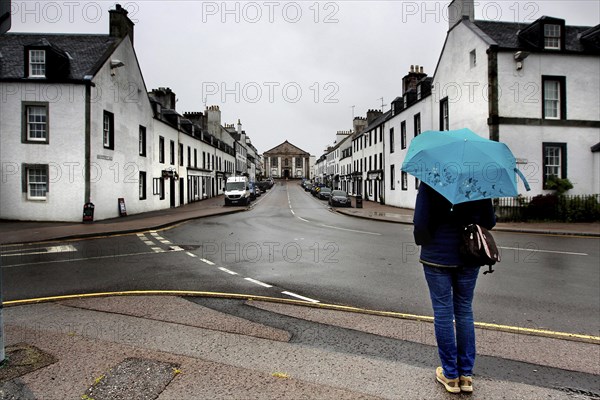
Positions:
{"x": 292, "y": 211}
{"x": 165, "y": 241}
{"x": 176, "y": 248}
{"x": 351, "y": 230}
{"x": 228, "y": 271}
{"x": 258, "y": 282}
{"x": 544, "y": 251}
{"x": 157, "y": 250}
{"x": 207, "y": 261}
{"x": 83, "y": 259}
{"x": 300, "y": 297}
{"x": 302, "y": 219}
{"x": 42, "y": 250}
{"x": 191, "y": 254}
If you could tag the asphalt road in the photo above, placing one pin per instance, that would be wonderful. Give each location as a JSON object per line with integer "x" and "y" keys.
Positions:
{"x": 291, "y": 245}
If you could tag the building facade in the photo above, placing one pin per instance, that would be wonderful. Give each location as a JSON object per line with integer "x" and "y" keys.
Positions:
{"x": 286, "y": 161}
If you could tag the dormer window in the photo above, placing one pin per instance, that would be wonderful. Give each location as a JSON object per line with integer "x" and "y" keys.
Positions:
{"x": 552, "y": 36}
{"x": 37, "y": 63}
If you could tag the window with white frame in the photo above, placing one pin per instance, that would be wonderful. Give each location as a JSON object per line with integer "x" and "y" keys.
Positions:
{"x": 444, "y": 115}
{"x": 161, "y": 149}
{"x": 36, "y": 122}
{"x": 392, "y": 178}
{"x": 142, "y": 185}
{"x": 417, "y": 124}
{"x": 552, "y": 36}
{"x": 553, "y": 92}
{"x": 37, "y": 63}
{"x": 404, "y": 181}
{"x": 36, "y": 181}
{"x": 108, "y": 130}
{"x": 392, "y": 140}
{"x": 142, "y": 141}
{"x": 473, "y": 58}
{"x": 403, "y": 135}
{"x": 555, "y": 160}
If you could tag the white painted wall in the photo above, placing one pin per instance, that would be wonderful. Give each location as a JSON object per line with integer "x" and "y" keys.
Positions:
{"x": 125, "y": 95}
{"x": 64, "y": 153}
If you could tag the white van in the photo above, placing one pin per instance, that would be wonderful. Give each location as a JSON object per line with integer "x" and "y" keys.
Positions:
{"x": 237, "y": 191}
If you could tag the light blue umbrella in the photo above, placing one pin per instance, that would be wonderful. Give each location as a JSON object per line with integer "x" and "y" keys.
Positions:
{"x": 463, "y": 166}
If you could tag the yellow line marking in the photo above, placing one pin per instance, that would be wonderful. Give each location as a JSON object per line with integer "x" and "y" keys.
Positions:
{"x": 186, "y": 293}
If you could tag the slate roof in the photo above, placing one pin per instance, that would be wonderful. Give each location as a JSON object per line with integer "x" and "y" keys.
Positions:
{"x": 86, "y": 52}
{"x": 506, "y": 34}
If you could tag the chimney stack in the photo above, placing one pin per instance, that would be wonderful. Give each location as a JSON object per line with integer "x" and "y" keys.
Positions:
{"x": 459, "y": 10}
{"x": 120, "y": 24}
{"x": 411, "y": 80}
{"x": 372, "y": 115}
{"x": 165, "y": 96}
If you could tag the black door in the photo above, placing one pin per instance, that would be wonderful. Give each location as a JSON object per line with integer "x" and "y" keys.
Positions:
{"x": 172, "y": 190}
{"x": 181, "y": 191}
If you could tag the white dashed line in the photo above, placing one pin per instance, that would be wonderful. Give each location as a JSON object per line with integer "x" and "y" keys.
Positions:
{"x": 165, "y": 241}
{"x": 302, "y": 219}
{"x": 292, "y": 211}
{"x": 300, "y": 297}
{"x": 544, "y": 251}
{"x": 228, "y": 271}
{"x": 258, "y": 282}
{"x": 176, "y": 248}
{"x": 351, "y": 230}
{"x": 207, "y": 261}
{"x": 158, "y": 250}
{"x": 191, "y": 254}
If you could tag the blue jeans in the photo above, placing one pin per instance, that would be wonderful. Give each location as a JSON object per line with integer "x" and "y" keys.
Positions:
{"x": 451, "y": 291}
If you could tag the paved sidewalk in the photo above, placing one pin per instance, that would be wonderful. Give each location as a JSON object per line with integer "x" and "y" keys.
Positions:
{"x": 167, "y": 347}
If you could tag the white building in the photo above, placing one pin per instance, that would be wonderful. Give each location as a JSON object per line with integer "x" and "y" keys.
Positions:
{"x": 78, "y": 126}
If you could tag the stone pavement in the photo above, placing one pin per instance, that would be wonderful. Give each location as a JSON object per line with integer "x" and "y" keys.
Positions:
{"x": 168, "y": 347}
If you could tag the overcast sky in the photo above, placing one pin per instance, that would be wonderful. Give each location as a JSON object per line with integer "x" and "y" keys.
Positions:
{"x": 289, "y": 70}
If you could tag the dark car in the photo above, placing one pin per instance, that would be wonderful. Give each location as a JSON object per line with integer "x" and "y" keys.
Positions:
{"x": 339, "y": 198}
{"x": 263, "y": 186}
{"x": 314, "y": 190}
{"x": 324, "y": 193}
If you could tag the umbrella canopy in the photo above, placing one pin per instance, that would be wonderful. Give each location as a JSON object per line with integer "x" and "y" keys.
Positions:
{"x": 463, "y": 166}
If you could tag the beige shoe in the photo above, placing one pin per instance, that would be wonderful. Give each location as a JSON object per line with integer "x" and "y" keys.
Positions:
{"x": 466, "y": 384}
{"x": 451, "y": 385}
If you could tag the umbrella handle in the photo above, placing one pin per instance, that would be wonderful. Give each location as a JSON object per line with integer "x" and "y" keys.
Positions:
{"x": 527, "y": 187}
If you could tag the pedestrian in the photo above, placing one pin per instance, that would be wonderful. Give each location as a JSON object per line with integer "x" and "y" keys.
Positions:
{"x": 437, "y": 226}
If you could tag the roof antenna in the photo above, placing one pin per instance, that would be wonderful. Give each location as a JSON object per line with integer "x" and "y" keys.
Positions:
{"x": 382, "y": 105}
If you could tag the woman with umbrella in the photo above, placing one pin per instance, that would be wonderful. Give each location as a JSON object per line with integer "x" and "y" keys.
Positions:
{"x": 460, "y": 173}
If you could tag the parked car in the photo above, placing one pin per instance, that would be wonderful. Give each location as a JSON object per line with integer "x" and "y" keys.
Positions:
{"x": 263, "y": 186}
{"x": 237, "y": 191}
{"x": 339, "y": 198}
{"x": 315, "y": 189}
{"x": 324, "y": 193}
{"x": 253, "y": 189}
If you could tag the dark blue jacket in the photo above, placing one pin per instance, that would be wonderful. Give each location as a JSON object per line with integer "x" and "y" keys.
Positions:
{"x": 437, "y": 225}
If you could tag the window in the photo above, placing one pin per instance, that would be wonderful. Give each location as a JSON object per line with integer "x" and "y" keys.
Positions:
{"x": 142, "y": 141}
{"x": 552, "y": 36}
{"x": 392, "y": 178}
{"x": 473, "y": 58}
{"x": 417, "y": 125}
{"x": 37, "y": 63}
{"x": 203, "y": 160}
{"x": 403, "y": 135}
{"x": 298, "y": 162}
{"x": 35, "y": 122}
{"x": 189, "y": 156}
{"x": 444, "y": 115}
{"x": 142, "y": 185}
{"x": 181, "y": 154}
{"x": 391, "y": 140}
{"x": 274, "y": 161}
{"x": 158, "y": 187}
{"x": 108, "y": 130}
{"x": 404, "y": 181}
{"x": 161, "y": 149}
{"x": 195, "y": 158}
{"x": 555, "y": 160}
{"x": 553, "y": 92}
{"x": 35, "y": 179}
{"x": 172, "y": 152}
